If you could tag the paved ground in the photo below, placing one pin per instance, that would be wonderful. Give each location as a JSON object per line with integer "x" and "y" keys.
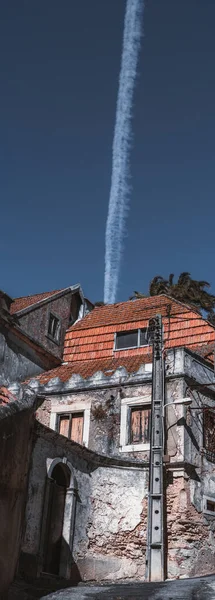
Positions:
{"x": 187, "y": 589}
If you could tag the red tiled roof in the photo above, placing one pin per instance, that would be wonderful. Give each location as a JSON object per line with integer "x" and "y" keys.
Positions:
{"x": 88, "y": 368}
{"x": 125, "y": 312}
{"x": 89, "y": 344}
{"x": 93, "y": 336}
{"x": 26, "y": 301}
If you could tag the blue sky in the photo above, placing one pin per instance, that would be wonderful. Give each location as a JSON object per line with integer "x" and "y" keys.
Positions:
{"x": 59, "y": 64}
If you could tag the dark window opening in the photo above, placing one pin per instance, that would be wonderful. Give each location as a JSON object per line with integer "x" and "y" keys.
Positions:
{"x": 143, "y": 337}
{"x": 211, "y": 505}
{"x": 131, "y": 339}
{"x": 71, "y": 319}
{"x": 209, "y": 430}
{"x": 71, "y": 425}
{"x": 127, "y": 339}
{"x": 140, "y": 422}
{"x": 54, "y": 328}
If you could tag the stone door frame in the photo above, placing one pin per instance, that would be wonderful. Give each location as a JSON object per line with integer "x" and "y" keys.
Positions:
{"x": 66, "y": 559}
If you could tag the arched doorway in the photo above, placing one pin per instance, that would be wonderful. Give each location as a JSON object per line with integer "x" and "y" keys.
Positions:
{"x": 54, "y": 532}
{"x": 58, "y": 519}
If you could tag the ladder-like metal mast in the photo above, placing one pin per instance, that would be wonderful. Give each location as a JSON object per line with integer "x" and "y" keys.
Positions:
{"x": 155, "y": 541}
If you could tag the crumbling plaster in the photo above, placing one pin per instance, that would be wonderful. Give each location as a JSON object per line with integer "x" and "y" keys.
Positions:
{"x": 109, "y": 540}
{"x": 110, "y": 512}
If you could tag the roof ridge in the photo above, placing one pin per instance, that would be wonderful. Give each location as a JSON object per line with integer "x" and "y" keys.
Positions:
{"x": 37, "y": 294}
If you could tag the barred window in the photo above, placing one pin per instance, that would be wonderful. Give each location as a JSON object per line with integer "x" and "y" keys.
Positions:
{"x": 209, "y": 430}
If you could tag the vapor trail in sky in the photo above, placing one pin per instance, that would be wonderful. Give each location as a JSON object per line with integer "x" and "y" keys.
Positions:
{"x": 119, "y": 192}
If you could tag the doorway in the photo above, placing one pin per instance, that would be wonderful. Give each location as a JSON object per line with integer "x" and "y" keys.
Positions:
{"x": 60, "y": 480}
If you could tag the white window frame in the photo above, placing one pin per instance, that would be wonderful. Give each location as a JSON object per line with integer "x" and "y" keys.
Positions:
{"x": 126, "y": 404}
{"x": 71, "y": 408}
{"x": 205, "y": 509}
{"x": 130, "y": 347}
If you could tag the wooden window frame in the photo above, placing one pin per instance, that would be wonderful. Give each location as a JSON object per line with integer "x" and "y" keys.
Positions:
{"x": 70, "y": 415}
{"x": 132, "y": 409}
{"x": 130, "y": 347}
{"x": 72, "y": 406}
{"x": 126, "y": 405}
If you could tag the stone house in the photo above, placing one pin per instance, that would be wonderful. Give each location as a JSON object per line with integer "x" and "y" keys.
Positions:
{"x": 48, "y": 488}
{"x": 98, "y": 402}
{"x": 75, "y": 447}
{"x": 32, "y": 331}
{"x": 46, "y": 317}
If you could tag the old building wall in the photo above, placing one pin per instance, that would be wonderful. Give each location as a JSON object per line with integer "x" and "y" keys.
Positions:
{"x": 15, "y": 449}
{"x": 190, "y": 475}
{"x": 47, "y": 446}
{"x": 110, "y": 521}
{"x": 35, "y": 322}
{"x": 115, "y": 545}
{"x": 190, "y": 532}
{"x": 16, "y": 363}
{"x": 105, "y": 413}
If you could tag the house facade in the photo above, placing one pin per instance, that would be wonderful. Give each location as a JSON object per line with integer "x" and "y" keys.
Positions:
{"x": 46, "y": 317}
{"x": 32, "y": 331}
{"x": 98, "y": 403}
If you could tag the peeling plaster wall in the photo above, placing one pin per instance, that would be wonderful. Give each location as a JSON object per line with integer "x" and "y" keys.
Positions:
{"x": 111, "y": 514}
{"x": 115, "y": 545}
{"x": 35, "y": 322}
{"x": 104, "y": 433}
{"x": 15, "y": 365}
{"x": 190, "y": 532}
{"x": 46, "y": 447}
{"x": 15, "y": 447}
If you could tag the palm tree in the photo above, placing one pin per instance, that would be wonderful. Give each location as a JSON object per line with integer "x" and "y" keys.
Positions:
{"x": 186, "y": 289}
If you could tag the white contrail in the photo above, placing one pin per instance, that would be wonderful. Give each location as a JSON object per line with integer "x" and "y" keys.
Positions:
{"x": 119, "y": 193}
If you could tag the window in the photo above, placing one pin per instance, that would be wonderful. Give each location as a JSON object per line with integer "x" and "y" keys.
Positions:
{"x": 54, "y": 328}
{"x": 71, "y": 419}
{"x": 135, "y": 424}
{"x": 140, "y": 425}
{"x": 209, "y": 505}
{"x": 131, "y": 339}
{"x": 71, "y": 425}
{"x": 209, "y": 431}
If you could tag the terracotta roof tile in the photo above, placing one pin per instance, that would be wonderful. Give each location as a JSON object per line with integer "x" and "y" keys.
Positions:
{"x": 93, "y": 336}
{"x": 89, "y": 344}
{"x": 88, "y": 368}
{"x": 26, "y": 301}
{"x": 130, "y": 311}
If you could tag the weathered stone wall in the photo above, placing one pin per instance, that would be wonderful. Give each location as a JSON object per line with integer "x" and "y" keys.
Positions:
{"x": 190, "y": 542}
{"x": 110, "y": 523}
{"x": 35, "y": 322}
{"x": 46, "y": 446}
{"x": 114, "y": 544}
{"x": 191, "y": 534}
{"x": 104, "y": 432}
{"x": 16, "y": 363}
{"x": 15, "y": 447}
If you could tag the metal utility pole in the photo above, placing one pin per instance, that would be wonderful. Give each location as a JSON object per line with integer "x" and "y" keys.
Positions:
{"x": 155, "y": 540}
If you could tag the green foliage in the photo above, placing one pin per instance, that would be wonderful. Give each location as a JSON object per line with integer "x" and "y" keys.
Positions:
{"x": 187, "y": 290}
